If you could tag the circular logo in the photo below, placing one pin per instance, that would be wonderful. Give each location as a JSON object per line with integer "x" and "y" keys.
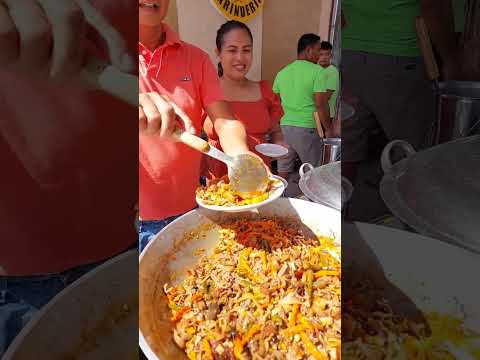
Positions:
{"x": 241, "y": 10}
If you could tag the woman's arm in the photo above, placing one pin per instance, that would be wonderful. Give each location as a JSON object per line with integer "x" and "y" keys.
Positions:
{"x": 231, "y": 132}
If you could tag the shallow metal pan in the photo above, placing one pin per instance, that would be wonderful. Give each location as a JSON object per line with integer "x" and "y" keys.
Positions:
{"x": 436, "y": 191}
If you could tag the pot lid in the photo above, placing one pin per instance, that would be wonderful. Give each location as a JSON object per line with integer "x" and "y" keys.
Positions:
{"x": 322, "y": 184}
{"x": 437, "y": 191}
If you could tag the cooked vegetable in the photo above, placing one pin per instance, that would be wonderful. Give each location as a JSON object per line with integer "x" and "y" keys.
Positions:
{"x": 263, "y": 303}
{"x": 311, "y": 348}
{"x": 222, "y": 194}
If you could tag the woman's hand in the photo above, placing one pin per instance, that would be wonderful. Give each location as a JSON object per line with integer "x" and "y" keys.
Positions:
{"x": 285, "y": 145}
{"x": 281, "y": 143}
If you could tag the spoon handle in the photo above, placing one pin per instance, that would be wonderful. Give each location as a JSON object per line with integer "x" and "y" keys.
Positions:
{"x": 191, "y": 140}
{"x": 99, "y": 75}
{"x": 201, "y": 145}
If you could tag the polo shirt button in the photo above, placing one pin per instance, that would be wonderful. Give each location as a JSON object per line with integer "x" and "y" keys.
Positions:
{"x": 144, "y": 52}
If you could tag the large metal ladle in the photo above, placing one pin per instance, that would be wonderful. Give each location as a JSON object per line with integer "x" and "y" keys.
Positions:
{"x": 247, "y": 173}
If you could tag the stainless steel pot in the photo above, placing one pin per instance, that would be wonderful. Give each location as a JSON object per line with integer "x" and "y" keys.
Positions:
{"x": 458, "y": 110}
{"x": 331, "y": 150}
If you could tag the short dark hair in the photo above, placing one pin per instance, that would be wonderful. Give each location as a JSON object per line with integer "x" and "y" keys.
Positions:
{"x": 325, "y": 45}
{"x": 305, "y": 41}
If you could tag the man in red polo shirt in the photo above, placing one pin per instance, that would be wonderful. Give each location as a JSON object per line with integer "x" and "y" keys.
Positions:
{"x": 175, "y": 78}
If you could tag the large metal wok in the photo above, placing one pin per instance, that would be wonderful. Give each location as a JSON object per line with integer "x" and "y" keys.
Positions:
{"x": 94, "y": 318}
{"x": 166, "y": 254}
{"x": 325, "y": 184}
{"x": 436, "y": 191}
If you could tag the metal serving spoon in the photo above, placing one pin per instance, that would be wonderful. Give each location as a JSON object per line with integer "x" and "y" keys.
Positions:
{"x": 247, "y": 173}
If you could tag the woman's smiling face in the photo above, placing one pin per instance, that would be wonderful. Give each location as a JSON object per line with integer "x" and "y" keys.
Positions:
{"x": 236, "y": 53}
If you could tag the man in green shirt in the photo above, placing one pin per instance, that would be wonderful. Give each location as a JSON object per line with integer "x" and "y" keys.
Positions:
{"x": 332, "y": 76}
{"x": 382, "y": 69}
{"x": 301, "y": 86}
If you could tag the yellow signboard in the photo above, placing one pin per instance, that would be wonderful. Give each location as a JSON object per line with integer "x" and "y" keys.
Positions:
{"x": 241, "y": 10}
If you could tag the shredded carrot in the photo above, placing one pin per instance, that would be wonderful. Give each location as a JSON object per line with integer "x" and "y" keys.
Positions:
{"x": 196, "y": 297}
{"x": 263, "y": 256}
{"x": 311, "y": 348}
{"x": 291, "y": 331}
{"x": 326, "y": 273}
{"x": 309, "y": 284}
{"x": 207, "y": 348}
{"x": 244, "y": 267}
{"x": 305, "y": 322}
{"x": 179, "y": 314}
{"x": 293, "y": 315}
{"x": 251, "y": 332}
{"x": 239, "y": 343}
{"x": 238, "y": 349}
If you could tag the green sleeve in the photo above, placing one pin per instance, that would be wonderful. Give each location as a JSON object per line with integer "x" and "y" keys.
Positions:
{"x": 332, "y": 80}
{"x": 319, "y": 84}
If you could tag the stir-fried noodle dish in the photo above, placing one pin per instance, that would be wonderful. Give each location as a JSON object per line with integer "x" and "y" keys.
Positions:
{"x": 267, "y": 291}
{"x": 220, "y": 193}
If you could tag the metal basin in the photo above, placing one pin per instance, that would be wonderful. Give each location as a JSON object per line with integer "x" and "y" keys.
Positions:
{"x": 436, "y": 191}
{"x": 323, "y": 184}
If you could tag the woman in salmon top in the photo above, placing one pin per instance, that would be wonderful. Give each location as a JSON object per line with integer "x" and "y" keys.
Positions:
{"x": 253, "y": 103}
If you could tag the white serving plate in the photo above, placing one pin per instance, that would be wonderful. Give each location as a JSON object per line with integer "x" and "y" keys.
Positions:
{"x": 271, "y": 150}
{"x": 275, "y": 193}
